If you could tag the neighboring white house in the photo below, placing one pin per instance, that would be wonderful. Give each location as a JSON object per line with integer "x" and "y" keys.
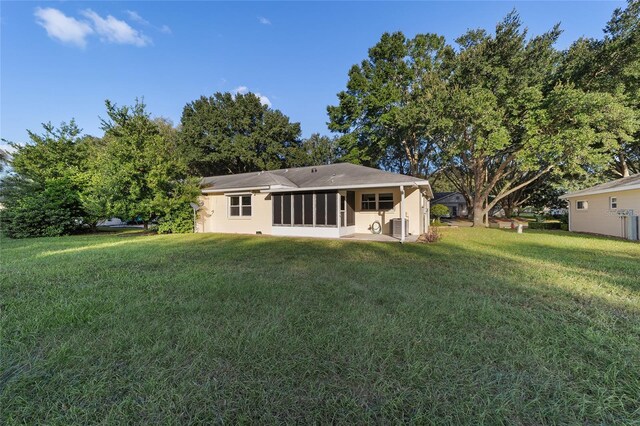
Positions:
{"x": 611, "y": 208}
{"x": 321, "y": 201}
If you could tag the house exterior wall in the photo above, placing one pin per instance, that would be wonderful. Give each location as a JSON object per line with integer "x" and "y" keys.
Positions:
{"x": 214, "y": 216}
{"x": 364, "y": 218}
{"x": 597, "y": 218}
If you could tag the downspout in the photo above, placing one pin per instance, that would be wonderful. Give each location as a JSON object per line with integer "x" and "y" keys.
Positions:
{"x": 402, "y": 230}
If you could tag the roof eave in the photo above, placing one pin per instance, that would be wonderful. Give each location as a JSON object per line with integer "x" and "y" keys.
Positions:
{"x": 419, "y": 183}
{"x": 596, "y": 192}
{"x": 225, "y": 190}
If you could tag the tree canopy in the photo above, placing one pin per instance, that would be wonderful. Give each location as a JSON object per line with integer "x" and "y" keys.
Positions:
{"x": 611, "y": 66}
{"x": 497, "y": 112}
{"x": 41, "y": 197}
{"x": 139, "y": 171}
{"x": 392, "y": 109}
{"x": 227, "y": 133}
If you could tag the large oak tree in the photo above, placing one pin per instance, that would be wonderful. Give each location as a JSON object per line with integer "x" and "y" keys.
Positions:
{"x": 612, "y": 66}
{"x": 392, "y": 109}
{"x": 227, "y": 133}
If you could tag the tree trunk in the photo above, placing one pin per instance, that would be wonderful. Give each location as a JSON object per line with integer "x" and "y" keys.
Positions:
{"x": 478, "y": 213}
{"x": 508, "y": 210}
{"x": 146, "y": 225}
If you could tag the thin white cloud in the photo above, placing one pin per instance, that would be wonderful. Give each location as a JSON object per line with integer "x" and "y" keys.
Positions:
{"x": 62, "y": 27}
{"x": 112, "y": 30}
{"x": 263, "y": 20}
{"x": 135, "y": 17}
{"x": 243, "y": 90}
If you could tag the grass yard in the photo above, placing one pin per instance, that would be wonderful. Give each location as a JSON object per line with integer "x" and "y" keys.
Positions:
{"x": 486, "y": 326}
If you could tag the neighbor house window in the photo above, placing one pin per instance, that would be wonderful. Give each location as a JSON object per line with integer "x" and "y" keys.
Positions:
{"x": 581, "y": 205}
{"x": 613, "y": 202}
{"x": 240, "y": 205}
{"x": 369, "y": 202}
{"x": 385, "y": 201}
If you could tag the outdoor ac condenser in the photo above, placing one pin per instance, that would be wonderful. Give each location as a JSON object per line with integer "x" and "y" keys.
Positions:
{"x": 633, "y": 228}
{"x": 396, "y": 227}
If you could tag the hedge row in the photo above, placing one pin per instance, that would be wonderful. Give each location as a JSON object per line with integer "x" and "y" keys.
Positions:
{"x": 547, "y": 225}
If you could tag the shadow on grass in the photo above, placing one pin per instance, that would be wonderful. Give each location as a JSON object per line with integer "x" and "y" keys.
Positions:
{"x": 211, "y": 328}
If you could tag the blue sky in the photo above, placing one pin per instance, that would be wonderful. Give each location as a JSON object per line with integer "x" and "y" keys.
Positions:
{"x": 61, "y": 60}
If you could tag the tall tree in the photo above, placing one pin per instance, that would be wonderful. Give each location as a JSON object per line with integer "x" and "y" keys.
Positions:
{"x": 139, "y": 171}
{"x": 42, "y": 194}
{"x": 57, "y": 152}
{"x": 227, "y": 133}
{"x": 509, "y": 127}
{"x": 319, "y": 150}
{"x": 391, "y": 112}
{"x": 612, "y": 65}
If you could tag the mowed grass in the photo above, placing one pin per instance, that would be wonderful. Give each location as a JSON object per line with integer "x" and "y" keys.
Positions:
{"x": 486, "y": 326}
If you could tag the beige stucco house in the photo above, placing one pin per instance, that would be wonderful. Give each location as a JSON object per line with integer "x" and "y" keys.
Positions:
{"x": 328, "y": 201}
{"x": 611, "y": 208}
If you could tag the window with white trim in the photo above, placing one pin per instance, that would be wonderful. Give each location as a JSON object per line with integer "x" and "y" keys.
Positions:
{"x": 240, "y": 205}
{"x": 372, "y": 202}
{"x": 369, "y": 202}
{"x": 582, "y": 205}
{"x": 613, "y": 202}
{"x": 385, "y": 201}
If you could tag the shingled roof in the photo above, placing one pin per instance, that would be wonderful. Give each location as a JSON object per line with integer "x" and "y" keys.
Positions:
{"x": 623, "y": 184}
{"x": 331, "y": 176}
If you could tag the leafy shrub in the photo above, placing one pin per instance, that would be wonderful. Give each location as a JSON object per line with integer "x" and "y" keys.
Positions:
{"x": 545, "y": 225}
{"x": 36, "y": 211}
{"x": 439, "y": 210}
{"x": 177, "y": 221}
{"x": 431, "y": 236}
{"x": 436, "y": 222}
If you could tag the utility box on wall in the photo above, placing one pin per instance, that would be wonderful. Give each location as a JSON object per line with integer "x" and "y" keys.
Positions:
{"x": 396, "y": 227}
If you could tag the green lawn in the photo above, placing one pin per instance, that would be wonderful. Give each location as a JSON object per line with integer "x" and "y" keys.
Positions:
{"x": 486, "y": 326}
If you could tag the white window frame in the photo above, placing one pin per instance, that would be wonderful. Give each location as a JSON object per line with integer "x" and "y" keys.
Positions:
{"x": 377, "y": 202}
{"x": 585, "y": 205}
{"x": 393, "y": 201}
{"x": 613, "y": 203}
{"x": 240, "y": 206}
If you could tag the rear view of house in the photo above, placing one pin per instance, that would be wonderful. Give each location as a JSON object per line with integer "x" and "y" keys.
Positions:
{"x": 322, "y": 201}
{"x": 611, "y": 208}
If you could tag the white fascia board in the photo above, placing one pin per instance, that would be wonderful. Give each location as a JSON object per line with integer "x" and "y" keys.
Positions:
{"x": 421, "y": 183}
{"x": 225, "y": 190}
{"x": 598, "y": 191}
